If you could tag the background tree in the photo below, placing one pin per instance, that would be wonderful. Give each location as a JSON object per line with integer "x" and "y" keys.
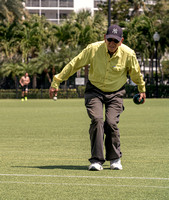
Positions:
{"x": 159, "y": 13}
{"x": 32, "y": 36}
{"x": 12, "y": 10}
{"x": 138, "y": 7}
{"x": 119, "y": 10}
{"x": 8, "y": 42}
{"x": 139, "y": 33}
{"x": 11, "y": 69}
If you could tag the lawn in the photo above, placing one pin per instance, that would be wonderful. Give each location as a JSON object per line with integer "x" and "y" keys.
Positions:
{"x": 44, "y": 151}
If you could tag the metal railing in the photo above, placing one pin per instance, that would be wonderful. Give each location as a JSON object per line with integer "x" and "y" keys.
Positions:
{"x": 49, "y": 3}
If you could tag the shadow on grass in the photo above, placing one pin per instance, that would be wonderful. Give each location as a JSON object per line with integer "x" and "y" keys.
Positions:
{"x": 67, "y": 167}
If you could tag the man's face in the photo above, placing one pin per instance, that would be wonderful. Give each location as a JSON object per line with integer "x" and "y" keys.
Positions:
{"x": 112, "y": 44}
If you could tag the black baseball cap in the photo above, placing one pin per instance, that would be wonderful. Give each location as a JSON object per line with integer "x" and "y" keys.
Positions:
{"x": 114, "y": 31}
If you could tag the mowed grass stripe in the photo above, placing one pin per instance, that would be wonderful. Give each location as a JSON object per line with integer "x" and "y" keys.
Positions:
{"x": 92, "y": 177}
{"x": 95, "y": 185}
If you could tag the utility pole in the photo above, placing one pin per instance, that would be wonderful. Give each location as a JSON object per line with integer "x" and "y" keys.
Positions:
{"x": 109, "y": 13}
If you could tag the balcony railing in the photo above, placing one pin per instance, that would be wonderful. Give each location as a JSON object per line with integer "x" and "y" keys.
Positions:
{"x": 66, "y": 3}
{"x": 32, "y": 3}
{"x": 49, "y": 3}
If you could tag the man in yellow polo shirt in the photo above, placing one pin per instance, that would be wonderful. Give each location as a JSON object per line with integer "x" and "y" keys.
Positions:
{"x": 110, "y": 62}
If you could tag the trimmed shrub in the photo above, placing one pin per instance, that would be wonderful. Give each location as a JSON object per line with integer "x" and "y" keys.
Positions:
{"x": 163, "y": 92}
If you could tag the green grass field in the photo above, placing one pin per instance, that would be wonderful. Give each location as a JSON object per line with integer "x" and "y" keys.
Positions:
{"x": 44, "y": 151}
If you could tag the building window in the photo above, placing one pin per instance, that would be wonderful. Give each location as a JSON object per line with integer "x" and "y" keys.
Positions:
{"x": 32, "y": 3}
{"x": 33, "y": 12}
{"x": 63, "y": 16}
{"x": 49, "y": 3}
{"x": 96, "y": 2}
{"x": 66, "y": 3}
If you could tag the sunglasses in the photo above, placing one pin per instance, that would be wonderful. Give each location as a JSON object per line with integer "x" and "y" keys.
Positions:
{"x": 113, "y": 40}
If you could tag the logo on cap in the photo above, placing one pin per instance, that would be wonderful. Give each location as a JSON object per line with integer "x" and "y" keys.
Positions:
{"x": 115, "y": 31}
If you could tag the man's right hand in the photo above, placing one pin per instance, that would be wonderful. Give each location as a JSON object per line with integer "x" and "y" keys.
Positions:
{"x": 54, "y": 87}
{"x": 52, "y": 92}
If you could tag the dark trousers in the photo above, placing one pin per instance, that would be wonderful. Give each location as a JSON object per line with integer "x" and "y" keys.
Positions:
{"x": 111, "y": 103}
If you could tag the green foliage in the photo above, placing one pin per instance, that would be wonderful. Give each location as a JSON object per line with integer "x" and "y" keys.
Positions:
{"x": 139, "y": 33}
{"x": 39, "y": 94}
{"x": 11, "y": 10}
{"x": 163, "y": 28}
{"x": 32, "y": 34}
{"x": 45, "y": 61}
{"x": 159, "y": 13}
{"x": 8, "y": 42}
{"x": 119, "y": 10}
{"x": 165, "y": 65}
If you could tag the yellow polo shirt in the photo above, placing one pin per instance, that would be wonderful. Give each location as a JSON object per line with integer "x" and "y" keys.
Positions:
{"x": 106, "y": 73}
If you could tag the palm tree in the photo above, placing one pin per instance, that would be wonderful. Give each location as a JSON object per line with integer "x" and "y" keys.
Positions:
{"x": 137, "y": 6}
{"x": 75, "y": 36}
{"x": 39, "y": 45}
{"x": 32, "y": 38}
{"x": 119, "y": 10}
{"x": 139, "y": 33}
{"x": 11, "y": 69}
{"x": 11, "y": 10}
{"x": 99, "y": 26}
{"x": 88, "y": 28}
{"x": 45, "y": 61}
{"x": 8, "y": 42}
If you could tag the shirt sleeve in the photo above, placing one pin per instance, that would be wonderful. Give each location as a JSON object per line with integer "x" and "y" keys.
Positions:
{"x": 74, "y": 65}
{"x": 135, "y": 74}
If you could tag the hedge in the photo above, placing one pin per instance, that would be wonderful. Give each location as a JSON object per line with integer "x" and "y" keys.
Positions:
{"x": 37, "y": 93}
{"x": 163, "y": 92}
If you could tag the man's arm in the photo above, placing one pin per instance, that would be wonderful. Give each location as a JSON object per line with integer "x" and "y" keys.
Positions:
{"x": 73, "y": 66}
{"x": 21, "y": 81}
{"x": 137, "y": 78}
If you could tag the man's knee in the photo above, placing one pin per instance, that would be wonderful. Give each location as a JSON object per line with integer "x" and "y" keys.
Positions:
{"x": 111, "y": 122}
{"x": 97, "y": 120}
{"x": 111, "y": 125}
{"x": 96, "y": 127}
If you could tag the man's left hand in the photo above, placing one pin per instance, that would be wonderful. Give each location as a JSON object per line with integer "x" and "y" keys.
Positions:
{"x": 142, "y": 96}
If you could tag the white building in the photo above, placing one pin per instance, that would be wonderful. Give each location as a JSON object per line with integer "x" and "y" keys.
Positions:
{"x": 57, "y": 10}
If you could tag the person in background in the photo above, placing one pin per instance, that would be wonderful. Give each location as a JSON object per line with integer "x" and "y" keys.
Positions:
{"x": 24, "y": 81}
{"x": 110, "y": 63}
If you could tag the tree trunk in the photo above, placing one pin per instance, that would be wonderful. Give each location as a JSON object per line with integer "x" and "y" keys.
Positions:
{"x": 16, "y": 86}
{"x": 34, "y": 82}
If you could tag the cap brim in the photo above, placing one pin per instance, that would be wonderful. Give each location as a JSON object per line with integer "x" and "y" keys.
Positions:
{"x": 114, "y": 37}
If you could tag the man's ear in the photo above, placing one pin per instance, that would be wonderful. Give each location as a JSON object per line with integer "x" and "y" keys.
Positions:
{"x": 122, "y": 39}
{"x": 105, "y": 37}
